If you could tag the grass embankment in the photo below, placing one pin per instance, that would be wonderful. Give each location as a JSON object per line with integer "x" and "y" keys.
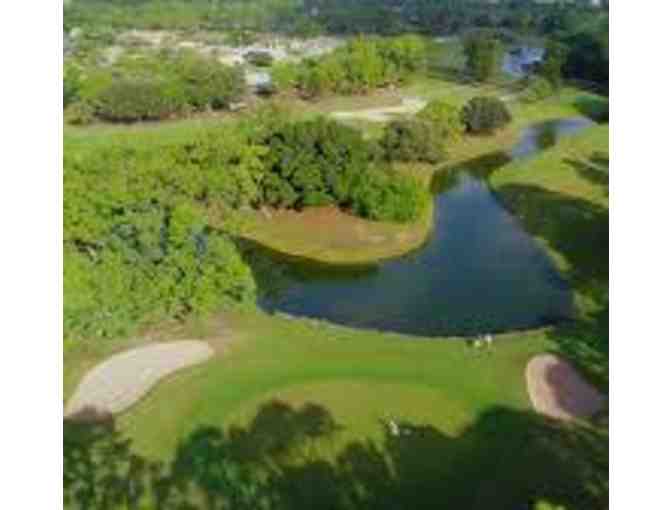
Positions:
{"x": 330, "y": 235}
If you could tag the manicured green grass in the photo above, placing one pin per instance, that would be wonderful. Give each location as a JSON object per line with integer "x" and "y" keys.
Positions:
{"x": 299, "y": 400}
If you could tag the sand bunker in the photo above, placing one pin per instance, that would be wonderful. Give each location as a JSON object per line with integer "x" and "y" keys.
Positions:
{"x": 123, "y": 379}
{"x": 557, "y": 390}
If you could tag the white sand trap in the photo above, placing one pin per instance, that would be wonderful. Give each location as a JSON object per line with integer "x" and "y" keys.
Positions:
{"x": 557, "y": 390}
{"x": 120, "y": 381}
{"x": 409, "y": 106}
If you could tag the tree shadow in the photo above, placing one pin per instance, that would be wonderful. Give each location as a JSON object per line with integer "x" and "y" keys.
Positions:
{"x": 480, "y": 167}
{"x": 275, "y": 272}
{"x": 595, "y": 169}
{"x": 595, "y": 108}
{"x": 100, "y": 469}
{"x": 577, "y": 230}
{"x": 506, "y": 458}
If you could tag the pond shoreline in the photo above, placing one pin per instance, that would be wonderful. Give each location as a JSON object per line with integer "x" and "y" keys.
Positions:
{"x": 480, "y": 271}
{"x": 303, "y": 235}
{"x": 377, "y": 242}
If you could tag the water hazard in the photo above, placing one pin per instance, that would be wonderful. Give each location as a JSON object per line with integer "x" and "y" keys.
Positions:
{"x": 479, "y": 272}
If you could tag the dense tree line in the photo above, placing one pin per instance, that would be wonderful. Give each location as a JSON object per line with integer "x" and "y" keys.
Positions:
{"x": 321, "y": 162}
{"x": 485, "y": 115}
{"x": 412, "y": 140}
{"x": 182, "y": 14}
{"x": 365, "y": 63}
{"x": 145, "y": 231}
{"x": 151, "y": 86}
{"x": 445, "y": 118}
{"x": 315, "y": 17}
{"x": 148, "y": 228}
{"x": 588, "y": 55}
{"x": 484, "y": 54}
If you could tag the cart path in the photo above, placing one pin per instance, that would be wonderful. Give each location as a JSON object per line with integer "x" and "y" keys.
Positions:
{"x": 409, "y": 106}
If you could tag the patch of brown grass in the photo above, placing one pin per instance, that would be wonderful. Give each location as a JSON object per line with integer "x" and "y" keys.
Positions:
{"x": 330, "y": 235}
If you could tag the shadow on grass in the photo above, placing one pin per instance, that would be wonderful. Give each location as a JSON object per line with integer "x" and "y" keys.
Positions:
{"x": 286, "y": 458}
{"x": 274, "y": 272}
{"x": 595, "y": 169}
{"x": 480, "y": 167}
{"x": 595, "y": 108}
{"x": 578, "y": 230}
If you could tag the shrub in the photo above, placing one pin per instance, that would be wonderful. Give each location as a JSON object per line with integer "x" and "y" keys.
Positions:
{"x": 411, "y": 140}
{"x": 321, "y": 77}
{"x": 537, "y": 89}
{"x": 259, "y": 58}
{"x": 406, "y": 54}
{"x": 285, "y": 75}
{"x": 385, "y": 196}
{"x": 363, "y": 64}
{"x": 265, "y": 119}
{"x": 484, "y": 54}
{"x": 312, "y": 163}
{"x": 594, "y": 107}
{"x": 485, "y": 114}
{"x": 79, "y": 114}
{"x": 139, "y": 243}
{"x": 72, "y": 78}
{"x": 156, "y": 86}
{"x": 554, "y": 61}
{"x": 206, "y": 83}
{"x": 445, "y": 118}
{"x": 132, "y": 99}
{"x": 194, "y": 273}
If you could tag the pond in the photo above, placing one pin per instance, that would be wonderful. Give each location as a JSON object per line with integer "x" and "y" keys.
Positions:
{"x": 479, "y": 271}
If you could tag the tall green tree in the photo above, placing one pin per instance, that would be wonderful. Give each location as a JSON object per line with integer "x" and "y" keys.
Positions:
{"x": 484, "y": 56}
{"x": 554, "y": 63}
